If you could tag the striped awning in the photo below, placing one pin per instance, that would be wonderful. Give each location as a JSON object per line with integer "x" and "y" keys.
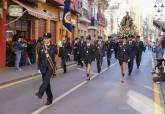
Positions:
{"x": 35, "y": 11}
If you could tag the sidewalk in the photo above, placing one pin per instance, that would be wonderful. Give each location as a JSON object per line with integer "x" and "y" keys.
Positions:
{"x": 162, "y": 89}
{"x": 9, "y": 74}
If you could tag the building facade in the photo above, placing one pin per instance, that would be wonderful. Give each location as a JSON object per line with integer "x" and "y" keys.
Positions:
{"x": 30, "y": 19}
{"x": 83, "y": 21}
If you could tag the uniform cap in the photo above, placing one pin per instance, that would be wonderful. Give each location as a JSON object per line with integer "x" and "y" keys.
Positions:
{"x": 47, "y": 35}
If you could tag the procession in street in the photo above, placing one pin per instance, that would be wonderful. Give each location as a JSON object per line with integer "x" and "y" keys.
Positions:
{"x": 82, "y": 57}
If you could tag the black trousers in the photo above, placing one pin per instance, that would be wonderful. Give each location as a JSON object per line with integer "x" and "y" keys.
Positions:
{"x": 45, "y": 86}
{"x": 138, "y": 59}
{"x": 79, "y": 59}
{"x": 108, "y": 59}
{"x": 99, "y": 63}
{"x": 130, "y": 65}
{"x": 63, "y": 64}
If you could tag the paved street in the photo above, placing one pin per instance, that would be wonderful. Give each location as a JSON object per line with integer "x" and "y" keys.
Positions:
{"x": 104, "y": 94}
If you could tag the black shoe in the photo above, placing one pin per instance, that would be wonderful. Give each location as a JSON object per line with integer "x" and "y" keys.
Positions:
{"x": 48, "y": 103}
{"x": 129, "y": 74}
{"x": 38, "y": 95}
{"x": 122, "y": 81}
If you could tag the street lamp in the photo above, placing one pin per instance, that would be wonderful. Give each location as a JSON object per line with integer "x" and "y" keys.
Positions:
{"x": 159, "y": 6}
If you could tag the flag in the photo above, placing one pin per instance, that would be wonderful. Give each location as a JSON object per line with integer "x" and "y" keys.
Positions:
{"x": 67, "y": 16}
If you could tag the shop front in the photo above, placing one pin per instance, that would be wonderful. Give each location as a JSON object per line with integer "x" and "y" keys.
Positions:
{"x": 21, "y": 20}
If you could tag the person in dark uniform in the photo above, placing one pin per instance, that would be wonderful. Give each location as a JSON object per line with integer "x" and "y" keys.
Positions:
{"x": 63, "y": 53}
{"x": 45, "y": 67}
{"x": 116, "y": 44}
{"x": 109, "y": 49}
{"x": 80, "y": 51}
{"x": 75, "y": 49}
{"x": 132, "y": 51}
{"x": 123, "y": 56}
{"x": 88, "y": 55}
{"x": 140, "y": 49}
{"x": 100, "y": 52}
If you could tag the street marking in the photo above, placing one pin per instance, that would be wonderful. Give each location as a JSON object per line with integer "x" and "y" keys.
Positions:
{"x": 32, "y": 77}
{"x": 17, "y": 82}
{"x": 59, "y": 98}
{"x": 69, "y": 92}
{"x": 157, "y": 103}
{"x": 85, "y": 70}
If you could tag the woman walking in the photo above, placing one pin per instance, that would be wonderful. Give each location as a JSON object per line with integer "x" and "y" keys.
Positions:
{"x": 88, "y": 55}
{"x": 123, "y": 56}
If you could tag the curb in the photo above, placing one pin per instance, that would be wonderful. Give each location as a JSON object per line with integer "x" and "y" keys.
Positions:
{"x": 29, "y": 76}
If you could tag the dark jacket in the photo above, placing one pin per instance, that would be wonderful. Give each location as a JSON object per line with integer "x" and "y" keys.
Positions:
{"x": 99, "y": 49}
{"x": 88, "y": 53}
{"x": 109, "y": 47}
{"x": 80, "y": 47}
{"x": 43, "y": 63}
{"x": 123, "y": 52}
{"x": 132, "y": 49}
{"x": 140, "y": 48}
{"x": 64, "y": 51}
{"x": 17, "y": 46}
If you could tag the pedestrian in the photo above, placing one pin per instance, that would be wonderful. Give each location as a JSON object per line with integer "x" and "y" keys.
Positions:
{"x": 63, "y": 53}
{"x": 38, "y": 46}
{"x": 109, "y": 49}
{"x": 88, "y": 55}
{"x": 17, "y": 48}
{"x": 46, "y": 52}
{"x": 139, "y": 51}
{"x": 75, "y": 49}
{"x": 132, "y": 52}
{"x": 81, "y": 44}
{"x": 123, "y": 56}
{"x": 100, "y": 52}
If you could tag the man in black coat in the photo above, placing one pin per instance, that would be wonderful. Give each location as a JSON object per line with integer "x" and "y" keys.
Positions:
{"x": 100, "y": 52}
{"x": 45, "y": 67}
{"x": 109, "y": 49}
{"x": 63, "y": 52}
{"x": 140, "y": 49}
{"x": 132, "y": 53}
{"x": 81, "y": 44}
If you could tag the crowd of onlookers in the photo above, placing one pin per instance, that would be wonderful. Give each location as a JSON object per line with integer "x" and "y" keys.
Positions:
{"x": 158, "y": 49}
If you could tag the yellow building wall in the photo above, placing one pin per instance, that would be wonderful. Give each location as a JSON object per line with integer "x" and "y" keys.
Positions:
{"x": 55, "y": 12}
{"x": 61, "y": 32}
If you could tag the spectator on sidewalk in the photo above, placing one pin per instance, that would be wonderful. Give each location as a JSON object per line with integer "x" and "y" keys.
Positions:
{"x": 38, "y": 46}
{"x": 17, "y": 48}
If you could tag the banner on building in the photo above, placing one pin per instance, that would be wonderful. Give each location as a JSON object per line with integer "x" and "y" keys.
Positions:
{"x": 67, "y": 16}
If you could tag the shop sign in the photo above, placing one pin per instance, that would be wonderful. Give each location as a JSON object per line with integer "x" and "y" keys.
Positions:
{"x": 15, "y": 10}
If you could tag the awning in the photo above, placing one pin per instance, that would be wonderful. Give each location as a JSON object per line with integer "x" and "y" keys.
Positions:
{"x": 160, "y": 25}
{"x": 35, "y": 11}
